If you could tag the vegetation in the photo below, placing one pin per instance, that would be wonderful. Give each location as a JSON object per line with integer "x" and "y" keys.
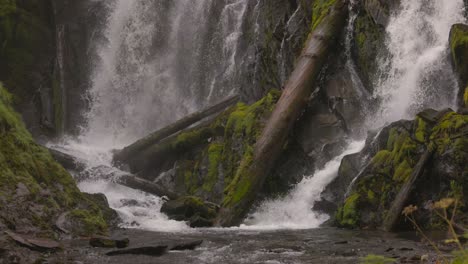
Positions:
{"x": 28, "y": 167}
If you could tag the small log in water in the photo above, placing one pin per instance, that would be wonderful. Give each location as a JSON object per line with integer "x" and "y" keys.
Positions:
{"x": 254, "y": 168}
{"x": 130, "y": 151}
{"x": 394, "y": 213}
{"x": 71, "y": 163}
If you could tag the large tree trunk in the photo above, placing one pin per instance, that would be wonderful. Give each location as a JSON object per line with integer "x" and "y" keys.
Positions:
{"x": 255, "y": 167}
{"x": 129, "y": 152}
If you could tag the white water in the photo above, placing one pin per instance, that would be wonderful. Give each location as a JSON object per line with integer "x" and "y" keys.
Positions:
{"x": 295, "y": 209}
{"x": 417, "y": 74}
{"x": 143, "y": 83}
{"x": 159, "y": 61}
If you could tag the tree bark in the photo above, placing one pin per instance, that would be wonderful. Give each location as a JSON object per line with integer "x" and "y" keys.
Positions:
{"x": 394, "y": 213}
{"x": 123, "y": 156}
{"x": 254, "y": 168}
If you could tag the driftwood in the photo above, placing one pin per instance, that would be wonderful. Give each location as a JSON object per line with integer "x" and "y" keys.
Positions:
{"x": 254, "y": 169}
{"x": 394, "y": 213}
{"x": 123, "y": 156}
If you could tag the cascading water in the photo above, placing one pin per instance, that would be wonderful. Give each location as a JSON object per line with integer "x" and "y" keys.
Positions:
{"x": 159, "y": 60}
{"x": 415, "y": 75}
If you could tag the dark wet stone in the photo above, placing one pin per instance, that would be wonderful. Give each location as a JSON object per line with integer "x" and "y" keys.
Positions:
{"x": 341, "y": 242}
{"x": 107, "y": 242}
{"x": 149, "y": 251}
{"x": 38, "y": 244}
{"x": 198, "y": 221}
{"x": 187, "y": 246}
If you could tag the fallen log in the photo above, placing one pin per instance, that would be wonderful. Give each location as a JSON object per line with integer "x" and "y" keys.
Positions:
{"x": 122, "y": 157}
{"x": 394, "y": 213}
{"x": 145, "y": 186}
{"x": 254, "y": 168}
{"x": 159, "y": 157}
{"x": 107, "y": 173}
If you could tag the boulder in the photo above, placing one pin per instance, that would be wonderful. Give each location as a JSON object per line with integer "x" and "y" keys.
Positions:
{"x": 393, "y": 162}
{"x": 192, "y": 209}
{"x": 459, "y": 49}
{"x": 107, "y": 242}
{"x": 155, "y": 251}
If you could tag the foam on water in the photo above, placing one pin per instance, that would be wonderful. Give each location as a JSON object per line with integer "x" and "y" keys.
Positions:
{"x": 295, "y": 209}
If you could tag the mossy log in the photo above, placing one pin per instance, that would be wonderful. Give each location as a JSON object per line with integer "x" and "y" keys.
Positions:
{"x": 254, "y": 168}
{"x": 123, "y": 156}
{"x": 169, "y": 149}
{"x": 394, "y": 213}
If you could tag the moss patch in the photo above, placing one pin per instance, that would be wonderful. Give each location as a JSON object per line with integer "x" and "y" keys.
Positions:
{"x": 214, "y": 171}
{"x": 25, "y": 163}
{"x": 320, "y": 9}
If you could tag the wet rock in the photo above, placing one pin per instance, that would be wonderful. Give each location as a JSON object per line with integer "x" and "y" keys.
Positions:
{"x": 187, "y": 246}
{"x": 192, "y": 209}
{"x": 38, "y": 244}
{"x": 391, "y": 157}
{"x": 459, "y": 50}
{"x": 107, "y": 242}
{"x": 149, "y": 251}
{"x": 22, "y": 190}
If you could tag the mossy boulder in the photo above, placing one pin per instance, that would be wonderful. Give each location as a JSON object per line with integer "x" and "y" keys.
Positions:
{"x": 207, "y": 169}
{"x": 369, "y": 37}
{"x": 459, "y": 50}
{"x": 27, "y": 62}
{"x": 35, "y": 190}
{"x": 394, "y": 154}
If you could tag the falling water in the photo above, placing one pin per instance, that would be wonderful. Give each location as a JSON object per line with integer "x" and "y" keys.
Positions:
{"x": 160, "y": 61}
{"x": 417, "y": 74}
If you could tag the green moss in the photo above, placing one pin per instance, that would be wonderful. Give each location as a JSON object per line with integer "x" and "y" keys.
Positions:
{"x": 459, "y": 46}
{"x": 24, "y": 161}
{"x": 348, "y": 215}
{"x": 465, "y": 97}
{"x": 320, "y": 9}
{"x": 220, "y": 161}
{"x": 421, "y": 133}
{"x": 368, "y": 42}
{"x": 92, "y": 222}
{"x": 447, "y": 136}
{"x": 376, "y": 259}
{"x": 215, "y": 151}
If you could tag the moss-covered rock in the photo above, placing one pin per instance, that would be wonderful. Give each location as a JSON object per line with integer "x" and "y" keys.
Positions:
{"x": 459, "y": 50}
{"x": 368, "y": 43}
{"x": 398, "y": 149}
{"x": 34, "y": 188}
{"x": 27, "y": 62}
{"x": 209, "y": 172}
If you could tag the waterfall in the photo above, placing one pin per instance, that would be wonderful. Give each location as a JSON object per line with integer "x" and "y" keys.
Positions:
{"x": 417, "y": 74}
{"x": 161, "y": 61}
{"x": 158, "y": 61}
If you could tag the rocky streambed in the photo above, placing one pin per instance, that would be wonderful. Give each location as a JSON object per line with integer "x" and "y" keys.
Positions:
{"x": 323, "y": 245}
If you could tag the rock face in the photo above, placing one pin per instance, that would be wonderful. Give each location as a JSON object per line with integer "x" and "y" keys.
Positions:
{"x": 45, "y": 60}
{"x": 459, "y": 50}
{"x": 27, "y": 60}
{"x": 36, "y": 190}
{"x": 395, "y": 152}
{"x": 369, "y": 37}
